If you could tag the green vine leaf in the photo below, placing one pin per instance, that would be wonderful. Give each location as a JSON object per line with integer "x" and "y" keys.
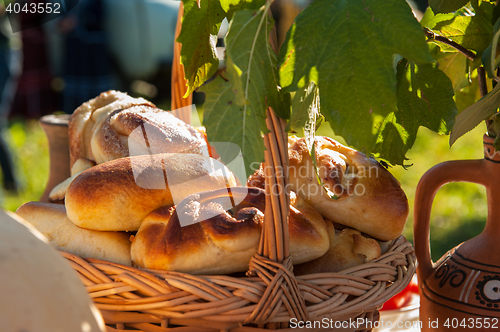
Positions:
{"x": 429, "y": 20}
{"x": 425, "y": 98}
{"x": 490, "y": 59}
{"x": 468, "y": 95}
{"x": 235, "y": 110}
{"x": 200, "y": 26}
{"x": 251, "y": 64}
{"x": 446, "y": 6}
{"x": 472, "y": 32}
{"x": 310, "y": 128}
{"x": 231, "y": 6}
{"x": 455, "y": 66}
{"x": 473, "y": 115}
{"x": 346, "y": 48}
{"x": 302, "y": 104}
{"x": 226, "y": 121}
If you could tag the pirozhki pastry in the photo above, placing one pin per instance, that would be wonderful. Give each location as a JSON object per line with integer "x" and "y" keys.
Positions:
{"x": 51, "y": 220}
{"x": 205, "y": 234}
{"x": 348, "y": 248}
{"x": 361, "y": 193}
{"x": 119, "y": 194}
{"x": 115, "y": 125}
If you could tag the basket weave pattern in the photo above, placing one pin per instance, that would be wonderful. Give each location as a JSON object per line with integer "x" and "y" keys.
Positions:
{"x": 154, "y": 300}
{"x": 268, "y": 296}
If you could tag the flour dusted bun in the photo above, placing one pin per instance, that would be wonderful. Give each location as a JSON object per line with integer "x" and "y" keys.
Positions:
{"x": 84, "y": 119}
{"x": 205, "y": 234}
{"x": 51, "y": 220}
{"x": 115, "y": 125}
{"x": 370, "y": 199}
{"x": 117, "y": 195}
{"x": 348, "y": 248}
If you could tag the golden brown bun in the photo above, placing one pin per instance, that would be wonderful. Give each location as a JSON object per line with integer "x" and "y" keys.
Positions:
{"x": 115, "y": 125}
{"x": 51, "y": 220}
{"x": 117, "y": 195}
{"x": 371, "y": 199}
{"x": 199, "y": 236}
{"x": 348, "y": 248}
{"x": 59, "y": 191}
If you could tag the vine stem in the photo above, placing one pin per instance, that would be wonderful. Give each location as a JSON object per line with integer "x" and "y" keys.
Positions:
{"x": 431, "y": 35}
{"x": 481, "y": 79}
{"x": 481, "y": 73}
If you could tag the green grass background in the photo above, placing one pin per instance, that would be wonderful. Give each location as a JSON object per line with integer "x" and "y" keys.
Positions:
{"x": 459, "y": 210}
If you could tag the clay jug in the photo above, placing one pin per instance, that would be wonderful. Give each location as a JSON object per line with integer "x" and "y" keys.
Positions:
{"x": 56, "y": 130}
{"x": 462, "y": 289}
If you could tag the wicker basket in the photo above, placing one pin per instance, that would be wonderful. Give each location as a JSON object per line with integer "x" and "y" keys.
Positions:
{"x": 268, "y": 297}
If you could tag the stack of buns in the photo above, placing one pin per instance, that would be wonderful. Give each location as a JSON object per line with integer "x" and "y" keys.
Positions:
{"x": 145, "y": 192}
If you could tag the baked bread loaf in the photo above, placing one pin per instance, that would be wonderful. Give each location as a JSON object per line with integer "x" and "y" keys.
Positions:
{"x": 58, "y": 192}
{"x": 115, "y": 125}
{"x": 117, "y": 195}
{"x": 51, "y": 220}
{"x": 370, "y": 198}
{"x": 348, "y": 248}
{"x": 205, "y": 234}
{"x": 361, "y": 193}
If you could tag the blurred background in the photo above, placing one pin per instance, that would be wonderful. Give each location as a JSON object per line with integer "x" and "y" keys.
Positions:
{"x": 52, "y": 68}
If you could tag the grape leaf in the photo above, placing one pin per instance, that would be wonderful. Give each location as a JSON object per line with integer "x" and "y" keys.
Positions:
{"x": 252, "y": 64}
{"x": 235, "y": 110}
{"x": 346, "y": 48}
{"x": 446, "y": 6}
{"x": 429, "y": 20}
{"x": 473, "y": 115}
{"x": 472, "y": 32}
{"x": 301, "y": 106}
{"x": 495, "y": 15}
{"x": 468, "y": 95}
{"x": 226, "y": 121}
{"x": 484, "y": 8}
{"x": 198, "y": 37}
{"x": 231, "y": 6}
{"x": 425, "y": 98}
{"x": 393, "y": 141}
{"x": 490, "y": 60}
{"x": 454, "y": 65}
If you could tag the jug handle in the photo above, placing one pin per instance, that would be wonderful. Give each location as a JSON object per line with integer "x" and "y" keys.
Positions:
{"x": 429, "y": 184}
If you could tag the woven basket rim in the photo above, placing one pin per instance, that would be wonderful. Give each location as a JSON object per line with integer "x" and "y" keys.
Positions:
{"x": 110, "y": 285}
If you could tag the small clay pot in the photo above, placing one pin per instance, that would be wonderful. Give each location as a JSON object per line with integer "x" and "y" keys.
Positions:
{"x": 56, "y": 130}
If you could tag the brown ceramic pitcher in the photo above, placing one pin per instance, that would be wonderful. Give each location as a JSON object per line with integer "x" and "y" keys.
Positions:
{"x": 461, "y": 291}
{"x": 56, "y": 130}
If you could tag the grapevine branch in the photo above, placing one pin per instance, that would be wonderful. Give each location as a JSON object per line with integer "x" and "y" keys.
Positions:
{"x": 431, "y": 35}
{"x": 481, "y": 75}
{"x": 481, "y": 78}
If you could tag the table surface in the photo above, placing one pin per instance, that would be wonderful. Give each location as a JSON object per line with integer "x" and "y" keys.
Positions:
{"x": 405, "y": 319}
